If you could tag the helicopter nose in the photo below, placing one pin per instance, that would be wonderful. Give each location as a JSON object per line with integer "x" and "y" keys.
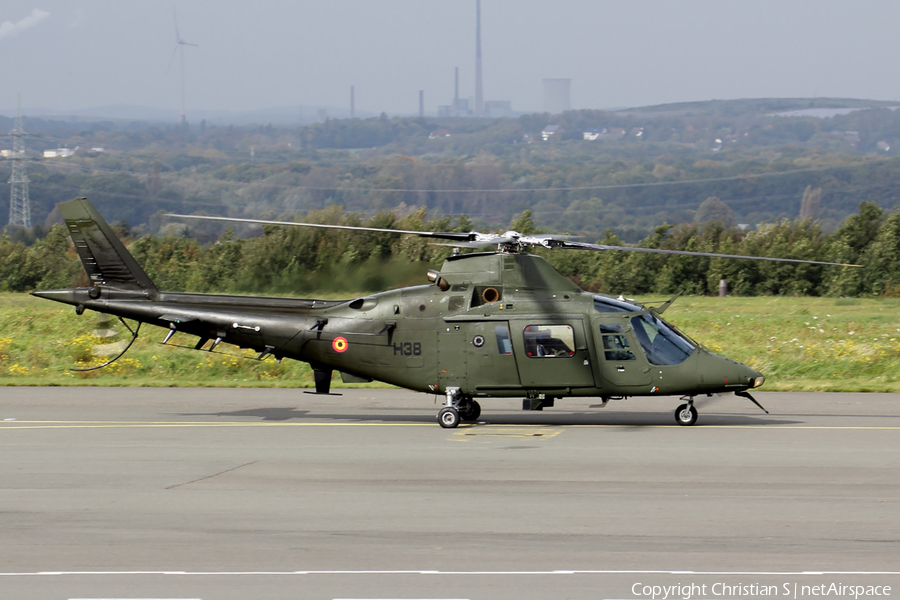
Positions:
{"x": 722, "y": 371}
{"x": 751, "y": 377}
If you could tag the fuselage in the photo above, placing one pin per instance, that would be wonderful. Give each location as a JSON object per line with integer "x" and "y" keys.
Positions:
{"x": 500, "y": 324}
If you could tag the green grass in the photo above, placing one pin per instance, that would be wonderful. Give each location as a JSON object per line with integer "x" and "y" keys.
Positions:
{"x": 41, "y": 340}
{"x": 800, "y": 344}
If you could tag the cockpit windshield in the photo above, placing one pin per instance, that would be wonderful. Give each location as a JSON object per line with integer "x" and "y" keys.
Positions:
{"x": 662, "y": 344}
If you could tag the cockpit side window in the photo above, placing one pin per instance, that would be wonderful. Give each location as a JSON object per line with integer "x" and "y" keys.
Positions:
{"x": 662, "y": 344}
{"x": 549, "y": 341}
{"x": 615, "y": 344}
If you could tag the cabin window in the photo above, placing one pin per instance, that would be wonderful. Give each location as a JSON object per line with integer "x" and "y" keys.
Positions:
{"x": 549, "y": 341}
{"x": 615, "y": 344}
{"x": 504, "y": 346}
{"x": 662, "y": 344}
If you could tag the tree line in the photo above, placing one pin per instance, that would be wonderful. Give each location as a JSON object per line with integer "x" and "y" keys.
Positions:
{"x": 301, "y": 261}
{"x": 568, "y": 188}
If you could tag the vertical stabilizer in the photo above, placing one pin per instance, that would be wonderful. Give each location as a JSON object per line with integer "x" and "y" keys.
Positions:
{"x": 105, "y": 258}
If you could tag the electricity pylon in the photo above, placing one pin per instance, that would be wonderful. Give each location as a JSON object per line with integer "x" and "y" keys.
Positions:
{"x": 19, "y": 202}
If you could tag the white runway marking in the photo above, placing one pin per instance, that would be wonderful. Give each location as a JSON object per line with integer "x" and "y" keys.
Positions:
{"x": 413, "y": 572}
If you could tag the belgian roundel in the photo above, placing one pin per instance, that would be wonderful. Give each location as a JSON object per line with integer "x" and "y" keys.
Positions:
{"x": 340, "y": 344}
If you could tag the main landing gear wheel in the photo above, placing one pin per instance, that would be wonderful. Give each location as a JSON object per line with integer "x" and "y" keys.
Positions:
{"x": 470, "y": 411}
{"x": 686, "y": 414}
{"x": 448, "y": 417}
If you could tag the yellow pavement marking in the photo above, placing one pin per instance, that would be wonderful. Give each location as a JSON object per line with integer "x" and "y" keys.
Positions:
{"x": 152, "y": 424}
{"x": 471, "y": 431}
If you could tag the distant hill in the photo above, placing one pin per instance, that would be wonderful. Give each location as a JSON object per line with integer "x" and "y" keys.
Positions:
{"x": 756, "y": 106}
{"x": 117, "y": 113}
{"x": 634, "y": 170}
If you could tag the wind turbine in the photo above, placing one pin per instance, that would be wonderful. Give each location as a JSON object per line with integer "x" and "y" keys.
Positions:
{"x": 179, "y": 48}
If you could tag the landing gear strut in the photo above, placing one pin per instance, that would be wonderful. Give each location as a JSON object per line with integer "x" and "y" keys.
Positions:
{"x": 448, "y": 417}
{"x": 686, "y": 414}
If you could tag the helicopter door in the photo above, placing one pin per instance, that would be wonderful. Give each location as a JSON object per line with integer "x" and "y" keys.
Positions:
{"x": 477, "y": 356}
{"x": 553, "y": 354}
{"x": 621, "y": 361}
{"x": 491, "y": 362}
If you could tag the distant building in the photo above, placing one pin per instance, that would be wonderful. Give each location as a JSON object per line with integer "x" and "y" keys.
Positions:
{"x": 883, "y": 146}
{"x": 59, "y": 153}
{"x": 439, "y": 133}
{"x": 498, "y": 108}
{"x": 613, "y": 133}
{"x": 549, "y": 131}
{"x": 458, "y": 108}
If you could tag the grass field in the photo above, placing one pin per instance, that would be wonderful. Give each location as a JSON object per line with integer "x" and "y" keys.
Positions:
{"x": 809, "y": 344}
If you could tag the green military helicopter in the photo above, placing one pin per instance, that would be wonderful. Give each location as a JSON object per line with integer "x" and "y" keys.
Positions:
{"x": 488, "y": 325}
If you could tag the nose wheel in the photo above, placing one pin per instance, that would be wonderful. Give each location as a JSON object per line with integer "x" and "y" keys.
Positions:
{"x": 686, "y": 414}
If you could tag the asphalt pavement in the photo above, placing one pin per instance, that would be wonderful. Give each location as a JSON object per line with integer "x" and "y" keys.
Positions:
{"x": 274, "y": 493}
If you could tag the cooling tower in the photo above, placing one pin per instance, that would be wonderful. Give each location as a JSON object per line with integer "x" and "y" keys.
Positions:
{"x": 556, "y": 95}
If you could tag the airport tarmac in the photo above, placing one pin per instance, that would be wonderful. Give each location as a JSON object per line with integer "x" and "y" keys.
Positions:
{"x": 274, "y": 493}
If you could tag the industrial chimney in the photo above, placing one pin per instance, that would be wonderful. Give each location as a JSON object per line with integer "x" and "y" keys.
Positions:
{"x": 479, "y": 95}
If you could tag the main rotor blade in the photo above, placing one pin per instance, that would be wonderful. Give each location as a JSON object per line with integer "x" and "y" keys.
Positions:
{"x": 445, "y": 235}
{"x": 487, "y": 243}
{"x": 599, "y": 247}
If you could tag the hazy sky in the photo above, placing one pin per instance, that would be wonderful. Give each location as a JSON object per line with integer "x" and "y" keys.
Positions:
{"x": 71, "y": 54}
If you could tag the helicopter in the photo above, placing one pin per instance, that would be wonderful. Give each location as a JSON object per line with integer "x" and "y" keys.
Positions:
{"x": 489, "y": 324}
